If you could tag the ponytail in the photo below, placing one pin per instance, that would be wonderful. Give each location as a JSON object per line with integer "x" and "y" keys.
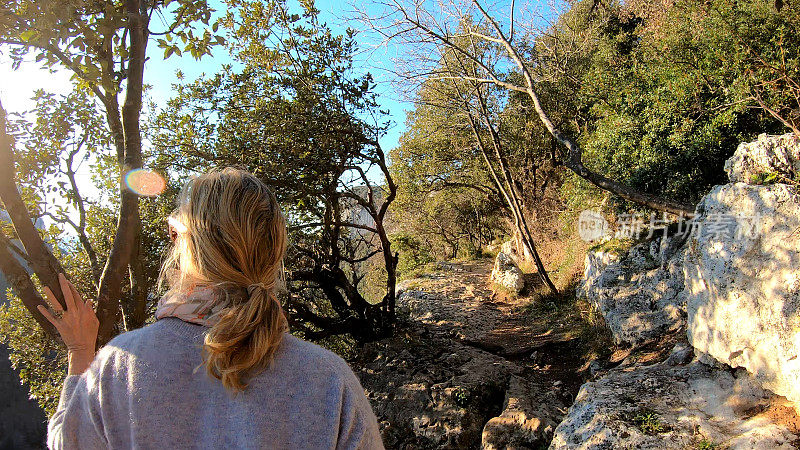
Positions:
{"x": 245, "y": 339}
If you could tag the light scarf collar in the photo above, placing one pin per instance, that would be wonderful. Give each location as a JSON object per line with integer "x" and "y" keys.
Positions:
{"x": 201, "y": 305}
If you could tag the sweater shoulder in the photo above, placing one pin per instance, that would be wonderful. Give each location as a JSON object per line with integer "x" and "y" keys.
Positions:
{"x": 168, "y": 341}
{"x": 160, "y": 330}
{"x": 152, "y": 341}
{"x": 174, "y": 331}
{"x": 312, "y": 355}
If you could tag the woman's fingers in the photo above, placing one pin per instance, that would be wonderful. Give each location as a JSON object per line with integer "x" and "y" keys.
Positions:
{"x": 69, "y": 299}
{"x": 72, "y": 298}
{"x": 51, "y": 300}
{"x": 47, "y": 315}
{"x": 76, "y": 295}
{"x": 86, "y": 304}
{"x": 90, "y": 310}
{"x": 77, "y": 324}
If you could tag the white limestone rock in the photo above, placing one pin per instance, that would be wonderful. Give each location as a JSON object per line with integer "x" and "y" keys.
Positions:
{"x": 669, "y": 407}
{"x": 743, "y": 290}
{"x": 431, "y": 392}
{"x": 638, "y": 293}
{"x": 767, "y": 154}
{"x": 516, "y": 250}
{"x": 531, "y": 412}
{"x": 507, "y": 274}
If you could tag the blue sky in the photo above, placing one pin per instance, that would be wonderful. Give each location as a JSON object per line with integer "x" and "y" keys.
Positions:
{"x": 18, "y": 86}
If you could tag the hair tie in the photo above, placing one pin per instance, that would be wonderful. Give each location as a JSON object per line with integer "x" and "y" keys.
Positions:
{"x": 252, "y": 288}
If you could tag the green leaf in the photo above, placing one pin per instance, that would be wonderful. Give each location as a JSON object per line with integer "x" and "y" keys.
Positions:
{"x": 27, "y": 35}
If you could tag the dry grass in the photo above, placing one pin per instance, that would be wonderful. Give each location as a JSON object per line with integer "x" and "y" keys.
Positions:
{"x": 575, "y": 314}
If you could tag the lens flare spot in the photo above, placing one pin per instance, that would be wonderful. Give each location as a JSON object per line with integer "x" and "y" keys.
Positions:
{"x": 145, "y": 182}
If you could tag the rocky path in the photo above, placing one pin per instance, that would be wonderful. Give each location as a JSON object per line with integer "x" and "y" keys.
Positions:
{"x": 458, "y": 303}
{"x": 470, "y": 368}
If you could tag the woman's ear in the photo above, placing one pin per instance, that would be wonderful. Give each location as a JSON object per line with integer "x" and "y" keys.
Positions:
{"x": 173, "y": 234}
{"x": 175, "y": 228}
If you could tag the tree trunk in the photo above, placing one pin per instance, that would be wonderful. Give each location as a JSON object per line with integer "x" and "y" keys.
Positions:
{"x": 110, "y": 289}
{"x": 136, "y": 307}
{"x": 80, "y": 227}
{"x": 20, "y": 281}
{"x": 42, "y": 261}
{"x": 97, "y": 269}
{"x": 127, "y": 140}
{"x": 520, "y": 224}
{"x": 390, "y": 259}
{"x": 510, "y": 182}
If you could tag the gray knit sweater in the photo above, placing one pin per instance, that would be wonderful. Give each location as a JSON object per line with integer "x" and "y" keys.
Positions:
{"x": 143, "y": 391}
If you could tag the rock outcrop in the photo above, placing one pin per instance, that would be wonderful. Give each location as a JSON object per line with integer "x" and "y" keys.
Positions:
{"x": 743, "y": 291}
{"x": 459, "y": 376}
{"x": 430, "y": 392}
{"x": 506, "y": 273}
{"x": 459, "y": 372}
{"x": 516, "y": 250}
{"x": 639, "y": 292}
{"x": 667, "y": 406}
{"x": 778, "y": 155}
{"x": 734, "y": 283}
{"x": 23, "y": 424}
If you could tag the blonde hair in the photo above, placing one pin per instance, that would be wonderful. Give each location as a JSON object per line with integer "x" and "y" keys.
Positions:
{"x": 234, "y": 237}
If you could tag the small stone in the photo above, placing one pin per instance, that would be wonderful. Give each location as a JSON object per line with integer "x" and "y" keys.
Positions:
{"x": 594, "y": 368}
{"x": 681, "y": 354}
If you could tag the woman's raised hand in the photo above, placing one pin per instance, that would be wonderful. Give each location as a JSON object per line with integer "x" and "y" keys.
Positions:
{"x": 77, "y": 325}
